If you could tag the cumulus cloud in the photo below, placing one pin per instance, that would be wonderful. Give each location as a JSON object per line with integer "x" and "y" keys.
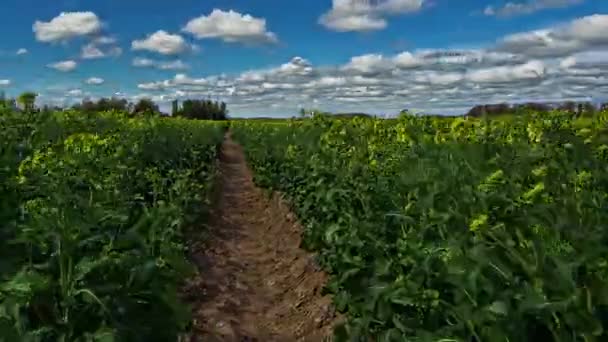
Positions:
{"x": 92, "y": 51}
{"x": 296, "y": 68}
{"x": 587, "y": 59}
{"x": 379, "y": 83}
{"x": 407, "y": 60}
{"x": 21, "y": 51}
{"x": 5, "y": 83}
{"x": 368, "y": 64}
{"x": 64, "y": 66}
{"x": 438, "y": 80}
{"x": 162, "y": 42}
{"x": 579, "y": 35}
{"x": 103, "y": 40}
{"x": 66, "y": 26}
{"x": 365, "y": 15}
{"x": 162, "y": 65}
{"x": 180, "y": 80}
{"x": 74, "y": 92}
{"x": 95, "y": 81}
{"x": 532, "y": 70}
{"x": 230, "y": 26}
{"x": 521, "y": 8}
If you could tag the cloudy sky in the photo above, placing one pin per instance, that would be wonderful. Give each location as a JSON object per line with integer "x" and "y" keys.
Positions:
{"x": 271, "y": 57}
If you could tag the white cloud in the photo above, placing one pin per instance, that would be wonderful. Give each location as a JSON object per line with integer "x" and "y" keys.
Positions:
{"x": 327, "y": 81}
{"x": 91, "y": 51}
{"x": 179, "y": 80}
{"x": 66, "y": 26}
{"x": 162, "y": 42}
{"x": 578, "y": 35}
{"x": 407, "y": 60}
{"x": 74, "y": 92}
{"x": 521, "y": 8}
{"x": 163, "y": 65}
{"x": 22, "y": 51}
{"x": 95, "y": 81}
{"x": 539, "y": 43}
{"x": 230, "y": 26}
{"x": 296, "y": 66}
{"x": 531, "y": 70}
{"x": 590, "y": 29}
{"x": 437, "y": 80}
{"x": 143, "y": 62}
{"x": 5, "y": 83}
{"x": 104, "y": 40}
{"x": 361, "y": 22}
{"x": 368, "y": 64}
{"x": 357, "y": 15}
{"x": 153, "y": 85}
{"x": 64, "y": 66}
{"x": 173, "y": 65}
{"x": 183, "y": 79}
{"x": 568, "y": 62}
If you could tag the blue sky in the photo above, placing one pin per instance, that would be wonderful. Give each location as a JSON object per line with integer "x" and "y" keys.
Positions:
{"x": 272, "y": 57}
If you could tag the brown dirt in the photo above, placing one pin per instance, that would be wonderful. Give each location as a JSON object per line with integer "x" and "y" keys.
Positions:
{"x": 255, "y": 283}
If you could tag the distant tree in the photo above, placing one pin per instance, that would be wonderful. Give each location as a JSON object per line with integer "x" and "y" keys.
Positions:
{"x": 604, "y": 106}
{"x": 145, "y": 105}
{"x": 7, "y": 103}
{"x": 568, "y": 106}
{"x": 588, "y": 109}
{"x": 27, "y": 100}
{"x": 103, "y": 104}
{"x": 203, "y": 110}
{"x": 223, "y": 112}
{"x": 4, "y": 103}
{"x": 476, "y": 111}
{"x": 174, "y": 107}
{"x": 535, "y": 107}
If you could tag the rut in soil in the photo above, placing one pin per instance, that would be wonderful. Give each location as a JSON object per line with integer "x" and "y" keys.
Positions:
{"x": 255, "y": 283}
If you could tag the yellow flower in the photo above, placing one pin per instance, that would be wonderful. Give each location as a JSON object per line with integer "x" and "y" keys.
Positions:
{"x": 478, "y": 222}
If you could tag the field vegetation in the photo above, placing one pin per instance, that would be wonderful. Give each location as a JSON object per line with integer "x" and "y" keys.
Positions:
{"x": 92, "y": 213}
{"x": 431, "y": 229}
{"x": 450, "y": 229}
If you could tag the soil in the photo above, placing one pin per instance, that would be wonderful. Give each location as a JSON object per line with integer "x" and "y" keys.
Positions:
{"x": 255, "y": 283}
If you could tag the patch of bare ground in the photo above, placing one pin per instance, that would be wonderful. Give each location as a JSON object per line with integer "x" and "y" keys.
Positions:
{"x": 255, "y": 283}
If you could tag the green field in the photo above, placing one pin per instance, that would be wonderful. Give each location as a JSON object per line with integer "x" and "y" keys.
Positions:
{"x": 92, "y": 213}
{"x": 451, "y": 229}
{"x": 431, "y": 229}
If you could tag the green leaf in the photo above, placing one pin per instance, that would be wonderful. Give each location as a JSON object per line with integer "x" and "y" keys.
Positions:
{"x": 499, "y": 308}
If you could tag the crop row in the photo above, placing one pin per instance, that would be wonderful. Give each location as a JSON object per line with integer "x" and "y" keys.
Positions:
{"x": 450, "y": 229}
{"x": 92, "y": 213}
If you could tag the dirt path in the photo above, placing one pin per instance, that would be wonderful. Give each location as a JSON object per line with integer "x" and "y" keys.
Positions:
{"x": 256, "y": 284}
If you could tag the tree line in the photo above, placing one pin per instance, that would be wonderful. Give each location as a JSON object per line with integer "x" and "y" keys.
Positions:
{"x": 200, "y": 110}
{"x": 190, "y": 109}
{"x": 582, "y": 109}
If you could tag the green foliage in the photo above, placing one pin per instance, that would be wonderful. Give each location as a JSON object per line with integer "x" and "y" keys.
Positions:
{"x": 144, "y": 106}
{"x": 103, "y": 104}
{"x": 450, "y": 229}
{"x": 201, "y": 110}
{"x": 91, "y": 217}
{"x": 27, "y": 100}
